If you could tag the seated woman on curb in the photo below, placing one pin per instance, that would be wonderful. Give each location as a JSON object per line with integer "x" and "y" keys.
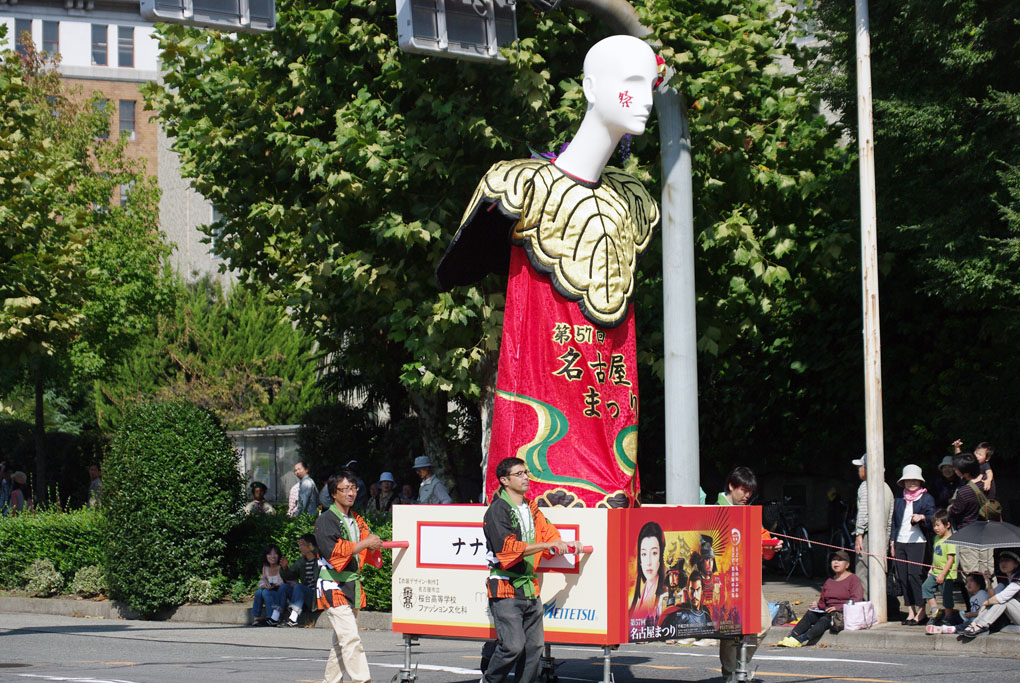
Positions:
{"x": 843, "y": 587}
{"x": 1007, "y": 600}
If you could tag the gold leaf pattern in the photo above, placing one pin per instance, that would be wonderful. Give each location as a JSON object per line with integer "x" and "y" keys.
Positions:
{"x": 586, "y": 237}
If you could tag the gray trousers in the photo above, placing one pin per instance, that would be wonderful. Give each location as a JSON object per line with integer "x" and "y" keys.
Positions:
{"x": 861, "y": 565}
{"x": 990, "y": 614}
{"x": 729, "y": 648}
{"x": 519, "y": 634}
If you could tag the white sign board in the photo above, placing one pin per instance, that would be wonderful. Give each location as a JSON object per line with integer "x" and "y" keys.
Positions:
{"x": 439, "y": 581}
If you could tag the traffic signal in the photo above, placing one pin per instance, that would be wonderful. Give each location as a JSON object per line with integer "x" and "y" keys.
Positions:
{"x": 463, "y": 29}
{"x": 244, "y": 16}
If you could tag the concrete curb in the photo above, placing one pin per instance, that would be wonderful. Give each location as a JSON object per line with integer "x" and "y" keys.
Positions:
{"x": 237, "y": 614}
{"x": 911, "y": 639}
{"x": 881, "y": 638}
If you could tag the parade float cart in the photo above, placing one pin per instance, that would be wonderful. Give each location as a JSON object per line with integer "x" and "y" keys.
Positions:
{"x": 708, "y": 570}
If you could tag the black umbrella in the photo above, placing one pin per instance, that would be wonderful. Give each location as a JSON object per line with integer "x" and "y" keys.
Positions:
{"x": 987, "y": 535}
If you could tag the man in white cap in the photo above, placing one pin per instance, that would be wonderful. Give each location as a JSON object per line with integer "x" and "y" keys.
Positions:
{"x": 861, "y": 530}
{"x": 431, "y": 489}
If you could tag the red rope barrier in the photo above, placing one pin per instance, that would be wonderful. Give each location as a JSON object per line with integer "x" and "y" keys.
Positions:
{"x": 850, "y": 550}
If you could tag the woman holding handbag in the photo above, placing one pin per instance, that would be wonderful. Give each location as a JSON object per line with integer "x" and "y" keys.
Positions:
{"x": 843, "y": 587}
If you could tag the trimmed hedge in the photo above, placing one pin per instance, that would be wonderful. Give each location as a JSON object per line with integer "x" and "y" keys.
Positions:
{"x": 71, "y": 540}
{"x": 171, "y": 495}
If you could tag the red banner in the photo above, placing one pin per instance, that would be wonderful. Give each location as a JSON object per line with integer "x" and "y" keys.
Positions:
{"x": 566, "y": 397}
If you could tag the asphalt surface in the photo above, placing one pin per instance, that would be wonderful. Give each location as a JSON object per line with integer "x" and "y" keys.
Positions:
{"x": 36, "y": 647}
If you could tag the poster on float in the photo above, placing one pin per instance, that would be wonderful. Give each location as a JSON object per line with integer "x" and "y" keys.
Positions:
{"x": 692, "y": 572}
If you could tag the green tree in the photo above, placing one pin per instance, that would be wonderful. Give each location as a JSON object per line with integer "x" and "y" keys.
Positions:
{"x": 233, "y": 353}
{"x": 947, "y": 149}
{"x": 80, "y": 275}
{"x": 359, "y": 160}
{"x": 171, "y": 495}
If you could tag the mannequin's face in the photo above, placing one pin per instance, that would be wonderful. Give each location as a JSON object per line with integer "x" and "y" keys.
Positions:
{"x": 619, "y": 73}
{"x": 622, "y": 96}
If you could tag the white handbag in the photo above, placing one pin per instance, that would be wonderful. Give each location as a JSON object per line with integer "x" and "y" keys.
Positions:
{"x": 858, "y": 616}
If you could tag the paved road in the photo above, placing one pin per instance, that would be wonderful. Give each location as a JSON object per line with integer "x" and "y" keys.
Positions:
{"x": 49, "y": 648}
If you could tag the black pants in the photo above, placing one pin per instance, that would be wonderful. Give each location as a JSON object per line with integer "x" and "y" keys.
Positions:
{"x": 910, "y": 575}
{"x": 812, "y": 626}
{"x": 519, "y": 635}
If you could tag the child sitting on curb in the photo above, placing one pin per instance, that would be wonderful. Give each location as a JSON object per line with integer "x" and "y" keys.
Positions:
{"x": 976, "y": 597}
{"x": 943, "y": 570}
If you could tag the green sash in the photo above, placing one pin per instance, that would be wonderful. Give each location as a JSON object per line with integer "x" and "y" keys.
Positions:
{"x": 526, "y": 578}
{"x": 344, "y": 576}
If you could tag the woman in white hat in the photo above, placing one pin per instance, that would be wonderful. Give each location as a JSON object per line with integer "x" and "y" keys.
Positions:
{"x": 912, "y": 519}
{"x": 383, "y": 501}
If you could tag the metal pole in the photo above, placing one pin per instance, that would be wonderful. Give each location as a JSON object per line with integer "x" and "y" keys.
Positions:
{"x": 680, "y": 343}
{"x": 878, "y": 543}
{"x": 680, "y": 347}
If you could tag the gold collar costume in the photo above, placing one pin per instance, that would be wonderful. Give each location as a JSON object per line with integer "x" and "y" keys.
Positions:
{"x": 585, "y": 237}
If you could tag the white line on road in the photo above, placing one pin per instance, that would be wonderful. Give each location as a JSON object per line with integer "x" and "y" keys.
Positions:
{"x": 75, "y": 679}
{"x": 387, "y": 665}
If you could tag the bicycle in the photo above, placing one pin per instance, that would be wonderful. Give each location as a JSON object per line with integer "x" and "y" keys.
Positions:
{"x": 796, "y": 550}
{"x": 840, "y": 524}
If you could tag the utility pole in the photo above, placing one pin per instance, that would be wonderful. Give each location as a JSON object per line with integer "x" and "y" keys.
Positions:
{"x": 878, "y": 544}
{"x": 680, "y": 349}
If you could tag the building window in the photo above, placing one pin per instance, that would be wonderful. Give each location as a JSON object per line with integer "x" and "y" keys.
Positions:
{"x": 126, "y": 46}
{"x": 51, "y": 37}
{"x": 104, "y": 132}
{"x": 127, "y": 119}
{"x": 99, "y": 45}
{"x": 125, "y": 190}
{"x": 21, "y": 27}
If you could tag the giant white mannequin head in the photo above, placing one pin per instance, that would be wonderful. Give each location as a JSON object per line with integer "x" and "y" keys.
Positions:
{"x": 619, "y": 76}
{"x": 620, "y": 73}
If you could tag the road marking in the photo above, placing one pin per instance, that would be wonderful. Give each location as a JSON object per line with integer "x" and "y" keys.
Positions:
{"x": 432, "y": 667}
{"x": 75, "y": 679}
{"x": 822, "y": 676}
{"x": 660, "y": 666}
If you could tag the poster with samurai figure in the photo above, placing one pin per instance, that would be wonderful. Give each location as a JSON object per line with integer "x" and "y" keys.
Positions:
{"x": 693, "y": 572}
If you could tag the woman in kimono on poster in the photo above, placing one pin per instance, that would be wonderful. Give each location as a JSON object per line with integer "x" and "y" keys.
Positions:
{"x": 568, "y": 232}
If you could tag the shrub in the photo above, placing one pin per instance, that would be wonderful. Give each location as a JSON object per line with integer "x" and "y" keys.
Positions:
{"x": 241, "y": 590}
{"x": 200, "y": 590}
{"x": 89, "y": 581}
{"x": 42, "y": 579}
{"x": 70, "y": 540}
{"x": 171, "y": 493}
{"x": 255, "y": 532}
{"x": 378, "y": 583}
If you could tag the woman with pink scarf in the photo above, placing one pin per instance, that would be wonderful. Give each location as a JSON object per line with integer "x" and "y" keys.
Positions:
{"x": 911, "y": 527}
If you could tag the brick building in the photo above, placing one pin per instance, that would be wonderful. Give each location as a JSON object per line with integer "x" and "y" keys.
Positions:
{"x": 106, "y": 46}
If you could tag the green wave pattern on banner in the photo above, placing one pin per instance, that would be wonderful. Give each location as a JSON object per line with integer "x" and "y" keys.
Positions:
{"x": 552, "y": 426}
{"x": 625, "y": 462}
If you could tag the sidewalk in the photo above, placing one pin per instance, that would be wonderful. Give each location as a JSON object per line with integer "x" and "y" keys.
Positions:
{"x": 890, "y": 637}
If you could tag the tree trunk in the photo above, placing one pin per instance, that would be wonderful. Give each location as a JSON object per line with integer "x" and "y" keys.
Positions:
{"x": 39, "y": 435}
{"x": 486, "y": 403}
{"x": 432, "y": 420}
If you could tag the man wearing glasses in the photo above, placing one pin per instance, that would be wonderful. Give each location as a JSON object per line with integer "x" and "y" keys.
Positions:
{"x": 343, "y": 539}
{"x": 517, "y": 536}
